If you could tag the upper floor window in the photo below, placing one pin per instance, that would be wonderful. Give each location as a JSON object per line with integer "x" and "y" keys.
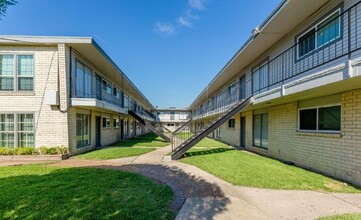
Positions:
{"x": 83, "y": 81}
{"x": 324, "y": 32}
{"x": 117, "y": 93}
{"x": 107, "y": 87}
{"x": 260, "y": 77}
{"x": 16, "y": 72}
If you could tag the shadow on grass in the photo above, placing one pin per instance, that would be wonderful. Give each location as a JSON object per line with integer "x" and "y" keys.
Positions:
{"x": 42, "y": 192}
{"x": 200, "y": 152}
{"x": 210, "y": 201}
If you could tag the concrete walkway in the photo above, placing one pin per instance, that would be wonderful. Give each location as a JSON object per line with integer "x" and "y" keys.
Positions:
{"x": 208, "y": 197}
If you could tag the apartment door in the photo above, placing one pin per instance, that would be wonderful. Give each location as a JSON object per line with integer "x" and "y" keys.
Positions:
{"x": 97, "y": 131}
{"x": 122, "y": 129}
{"x": 243, "y": 131}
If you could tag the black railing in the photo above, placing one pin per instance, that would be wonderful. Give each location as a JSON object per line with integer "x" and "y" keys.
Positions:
{"x": 93, "y": 87}
{"x": 333, "y": 39}
{"x": 223, "y": 101}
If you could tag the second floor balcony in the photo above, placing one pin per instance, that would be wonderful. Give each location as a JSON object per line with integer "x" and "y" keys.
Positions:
{"x": 326, "y": 53}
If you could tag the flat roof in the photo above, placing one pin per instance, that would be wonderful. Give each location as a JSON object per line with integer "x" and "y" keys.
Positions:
{"x": 88, "y": 47}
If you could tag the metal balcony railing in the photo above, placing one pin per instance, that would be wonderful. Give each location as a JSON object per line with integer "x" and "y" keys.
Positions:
{"x": 337, "y": 37}
{"x": 93, "y": 87}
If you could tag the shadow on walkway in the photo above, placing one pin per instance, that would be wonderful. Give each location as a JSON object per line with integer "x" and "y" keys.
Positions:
{"x": 184, "y": 185}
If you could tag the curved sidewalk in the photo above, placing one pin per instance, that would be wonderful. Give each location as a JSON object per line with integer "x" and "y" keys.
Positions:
{"x": 208, "y": 197}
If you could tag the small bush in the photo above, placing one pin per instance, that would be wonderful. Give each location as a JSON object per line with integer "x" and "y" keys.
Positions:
{"x": 24, "y": 151}
{"x": 43, "y": 150}
{"x": 32, "y": 151}
{"x": 6, "y": 151}
{"x": 52, "y": 150}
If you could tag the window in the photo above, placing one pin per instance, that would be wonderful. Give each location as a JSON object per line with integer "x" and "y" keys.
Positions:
{"x": 107, "y": 87}
{"x": 231, "y": 92}
{"x": 106, "y": 122}
{"x": 324, "y": 32}
{"x": 320, "y": 119}
{"x": 82, "y": 130}
{"x": 83, "y": 76}
{"x": 116, "y": 122}
{"x": 7, "y": 130}
{"x": 25, "y": 72}
{"x": 231, "y": 123}
{"x": 117, "y": 93}
{"x": 218, "y": 132}
{"x": 18, "y": 127}
{"x": 25, "y": 126}
{"x": 172, "y": 115}
{"x": 260, "y": 77}
{"x": 19, "y": 77}
{"x": 260, "y": 130}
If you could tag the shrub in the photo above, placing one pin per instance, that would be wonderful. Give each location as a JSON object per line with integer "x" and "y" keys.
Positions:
{"x": 32, "y": 151}
{"x": 52, "y": 150}
{"x": 43, "y": 150}
{"x": 24, "y": 151}
{"x": 6, "y": 151}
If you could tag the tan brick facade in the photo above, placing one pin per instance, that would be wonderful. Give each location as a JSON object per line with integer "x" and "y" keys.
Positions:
{"x": 56, "y": 125}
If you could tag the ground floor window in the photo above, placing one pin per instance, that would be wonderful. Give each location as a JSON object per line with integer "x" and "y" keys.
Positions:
{"x": 260, "y": 130}
{"x": 326, "y": 118}
{"x": 16, "y": 130}
{"x": 218, "y": 132}
{"x": 116, "y": 122}
{"x": 232, "y": 123}
{"x": 82, "y": 130}
{"x": 106, "y": 122}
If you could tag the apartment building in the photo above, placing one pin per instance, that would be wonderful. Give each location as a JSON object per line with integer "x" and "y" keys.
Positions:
{"x": 172, "y": 118}
{"x": 65, "y": 91}
{"x": 300, "y": 73}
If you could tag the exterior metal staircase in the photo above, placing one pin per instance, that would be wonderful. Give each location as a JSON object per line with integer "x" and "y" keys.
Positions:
{"x": 149, "y": 125}
{"x": 181, "y": 127}
{"x": 178, "y": 151}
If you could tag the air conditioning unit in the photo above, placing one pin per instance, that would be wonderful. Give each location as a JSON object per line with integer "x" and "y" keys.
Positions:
{"x": 51, "y": 97}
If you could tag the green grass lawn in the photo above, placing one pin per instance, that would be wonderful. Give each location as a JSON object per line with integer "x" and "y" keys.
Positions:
{"x": 127, "y": 148}
{"x": 246, "y": 169}
{"x": 45, "y": 192}
{"x": 205, "y": 142}
{"x": 355, "y": 216}
{"x": 114, "y": 152}
{"x": 147, "y": 140}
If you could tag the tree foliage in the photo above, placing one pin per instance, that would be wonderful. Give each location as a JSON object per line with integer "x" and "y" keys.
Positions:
{"x": 4, "y": 5}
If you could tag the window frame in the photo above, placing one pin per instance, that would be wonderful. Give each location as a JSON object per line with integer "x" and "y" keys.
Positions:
{"x": 261, "y": 126}
{"x": 314, "y": 26}
{"x": 84, "y": 95}
{"x": 116, "y": 122}
{"x": 232, "y": 123}
{"x": 317, "y": 117}
{"x": 107, "y": 123}
{"x": 258, "y": 68}
{"x": 16, "y": 74}
{"x": 105, "y": 84}
{"x": 16, "y": 131}
{"x": 82, "y": 145}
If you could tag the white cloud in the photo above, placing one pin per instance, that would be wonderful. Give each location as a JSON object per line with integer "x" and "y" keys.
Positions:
{"x": 183, "y": 21}
{"x": 166, "y": 29}
{"x": 197, "y": 4}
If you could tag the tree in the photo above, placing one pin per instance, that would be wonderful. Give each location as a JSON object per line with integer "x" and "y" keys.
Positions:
{"x": 4, "y": 5}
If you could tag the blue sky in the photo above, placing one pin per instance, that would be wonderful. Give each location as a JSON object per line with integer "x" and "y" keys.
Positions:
{"x": 170, "y": 49}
